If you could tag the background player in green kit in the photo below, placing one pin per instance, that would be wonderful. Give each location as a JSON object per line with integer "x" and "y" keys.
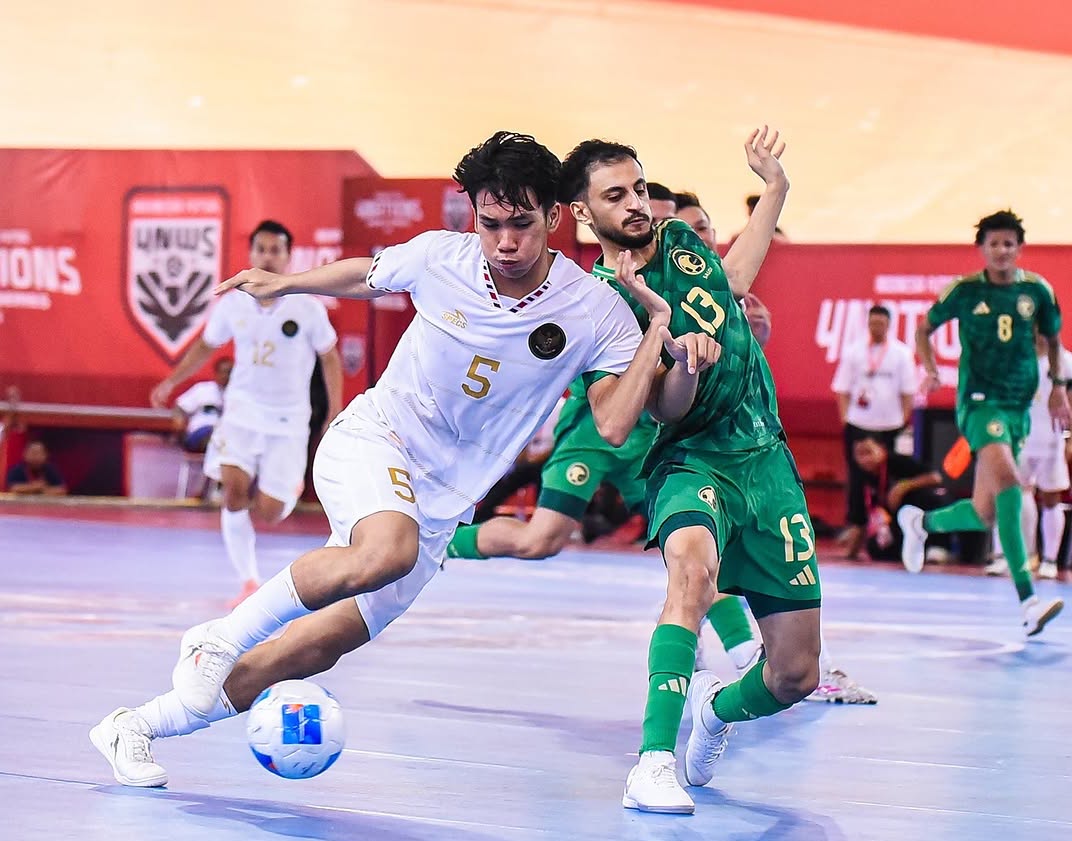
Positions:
{"x": 998, "y": 310}
{"x": 725, "y": 502}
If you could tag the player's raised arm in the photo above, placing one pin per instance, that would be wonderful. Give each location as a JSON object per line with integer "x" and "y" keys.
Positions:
{"x": 748, "y": 251}
{"x": 341, "y": 279}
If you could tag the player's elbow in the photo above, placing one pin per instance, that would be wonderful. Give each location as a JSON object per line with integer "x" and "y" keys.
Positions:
{"x": 612, "y": 430}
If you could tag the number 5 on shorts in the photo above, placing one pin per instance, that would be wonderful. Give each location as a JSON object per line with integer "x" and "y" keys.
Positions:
{"x": 801, "y": 523}
{"x": 400, "y": 479}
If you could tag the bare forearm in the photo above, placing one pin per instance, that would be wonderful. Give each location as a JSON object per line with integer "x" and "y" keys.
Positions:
{"x": 746, "y": 255}
{"x": 924, "y": 350}
{"x": 341, "y": 279}
{"x": 619, "y": 405}
{"x": 1053, "y": 354}
{"x": 843, "y": 407}
{"x": 191, "y": 361}
{"x": 907, "y": 401}
{"x": 673, "y": 394}
{"x": 331, "y": 366}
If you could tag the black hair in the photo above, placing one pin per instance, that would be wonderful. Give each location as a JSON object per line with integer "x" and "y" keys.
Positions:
{"x": 752, "y": 201}
{"x": 510, "y": 166}
{"x": 1003, "y": 220}
{"x": 270, "y": 226}
{"x": 686, "y": 199}
{"x": 660, "y": 193}
{"x": 577, "y": 167}
{"x": 878, "y": 309}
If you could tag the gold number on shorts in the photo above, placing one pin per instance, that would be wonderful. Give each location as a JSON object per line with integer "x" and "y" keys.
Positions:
{"x": 1004, "y": 327}
{"x": 801, "y": 522}
{"x": 699, "y": 295}
{"x": 262, "y": 354}
{"x": 483, "y": 383}
{"x": 400, "y": 479}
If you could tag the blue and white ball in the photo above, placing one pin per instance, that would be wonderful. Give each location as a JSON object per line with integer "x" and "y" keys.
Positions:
{"x": 296, "y": 729}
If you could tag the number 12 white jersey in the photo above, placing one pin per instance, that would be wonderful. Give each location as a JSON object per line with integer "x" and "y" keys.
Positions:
{"x": 475, "y": 374}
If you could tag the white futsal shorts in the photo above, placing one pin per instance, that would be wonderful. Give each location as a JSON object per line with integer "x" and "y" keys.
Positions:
{"x": 361, "y": 469}
{"x": 1044, "y": 469}
{"x": 277, "y": 461}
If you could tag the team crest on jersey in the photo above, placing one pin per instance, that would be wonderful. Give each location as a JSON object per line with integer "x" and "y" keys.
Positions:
{"x": 577, "y": 473}
{"x": 290, "y": 328}
{"x": 1025, "y": 305}
{"x": 981, "y": 309}
{"x": 547, "y": 341}
{"x": 707, "y": 494}
{"x": 174, "y": 257}
{"x": 995, "y": 429}
{"x": 688, "y": 262}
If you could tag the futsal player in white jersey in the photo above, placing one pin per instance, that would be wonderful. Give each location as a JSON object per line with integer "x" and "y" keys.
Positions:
{"x": 503, "y": 325}
{"x": 1043, "y": 467}
{"x": 263, "y": 435}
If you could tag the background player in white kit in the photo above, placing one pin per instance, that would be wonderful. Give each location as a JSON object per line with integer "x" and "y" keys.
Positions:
{"x": 263, "y": 436}
{"x": 503, "y": 326}
{"x": 1042, "y": 467}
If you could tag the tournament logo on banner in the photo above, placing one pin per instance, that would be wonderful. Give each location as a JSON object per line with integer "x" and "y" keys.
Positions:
{"x": 175, "y": 240}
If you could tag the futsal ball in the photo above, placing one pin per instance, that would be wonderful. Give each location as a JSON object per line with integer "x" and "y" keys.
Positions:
{"x": 296, "y": 729}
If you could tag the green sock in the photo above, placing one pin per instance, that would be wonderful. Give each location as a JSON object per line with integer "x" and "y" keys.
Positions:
{"x": 748, "y": 698}
{"x": 463, "y": 544}
{"x": 671, "y": 659}
{"x": 1008, "y": 504}
{"x": 960, "y": 516}
{"x": 730, "y": 622}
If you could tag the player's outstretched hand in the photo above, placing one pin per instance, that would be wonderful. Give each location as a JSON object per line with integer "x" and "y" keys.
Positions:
{"x": 256, "y": 282}
{"x": 763, "y": 151}
{"x": 697, "y": 350}
{"x": 1059, "y": 409}
{"x": 625, "y": 273}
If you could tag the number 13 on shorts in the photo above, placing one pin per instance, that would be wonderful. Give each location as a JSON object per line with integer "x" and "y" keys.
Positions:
{"x": 799, "y": 546}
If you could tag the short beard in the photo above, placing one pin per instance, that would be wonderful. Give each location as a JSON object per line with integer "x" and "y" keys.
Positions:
{"x": 624, "y": 240}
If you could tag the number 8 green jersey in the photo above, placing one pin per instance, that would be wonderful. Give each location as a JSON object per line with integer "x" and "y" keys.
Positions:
{"x": 735, "y": 408}
{"x": 998, "y": 364}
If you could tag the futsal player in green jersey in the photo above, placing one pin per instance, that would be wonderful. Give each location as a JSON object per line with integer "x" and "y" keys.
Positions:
{"x": 998, "y": 310}
{"x": 725, "y": 502}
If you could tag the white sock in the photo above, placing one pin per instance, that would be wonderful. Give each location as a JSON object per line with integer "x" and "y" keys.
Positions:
{"x": 826, "y": 662}
{"x": 274, "y": 605}
{"x": 742, "y": 653}
{"x": 166, "y": 716}
{"x": 1053, "y": 527}
{"x": 240, "y": 539}
{"x": 995, "y": 543}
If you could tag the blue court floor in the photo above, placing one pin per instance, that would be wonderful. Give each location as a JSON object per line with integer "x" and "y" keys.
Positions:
{"x": 507, "y": 705}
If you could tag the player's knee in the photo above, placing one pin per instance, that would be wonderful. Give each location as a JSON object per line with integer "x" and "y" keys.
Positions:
{"x": 236, "y": 498}
{"x": 267, "y": 510}
{"x": 375, "y": 561}
{"x": 692, "y": 585}
{"x": 795, "y": 679}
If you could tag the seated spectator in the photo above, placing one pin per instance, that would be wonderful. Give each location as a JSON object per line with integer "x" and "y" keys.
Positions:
{"x": 197, "y": 410}
{"x": 34, "y": 474}
{"x": 890, "y": 481}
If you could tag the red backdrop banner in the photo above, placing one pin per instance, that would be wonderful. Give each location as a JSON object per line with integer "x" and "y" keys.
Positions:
{"x": 107, "y": 258}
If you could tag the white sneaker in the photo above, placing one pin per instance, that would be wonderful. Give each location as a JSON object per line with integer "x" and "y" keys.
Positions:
{"x": 998, "y": 566}
{"x": 205, "y": 660}
{"x": 652, "y": 786}
{"x": 1037, "y": 614}
{"x": 123, "y": 739}
{"x": 1047, "y": 569}
{"x": 836, "y": 687}
{"x": 705, "y": 746}
{"x": 758, "y": 653}
{"x": 910, "y": 519}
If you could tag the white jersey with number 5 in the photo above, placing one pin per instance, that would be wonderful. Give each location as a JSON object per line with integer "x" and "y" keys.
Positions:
{"x": 475, "y": 374}
{"x": 275, "y": 351}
